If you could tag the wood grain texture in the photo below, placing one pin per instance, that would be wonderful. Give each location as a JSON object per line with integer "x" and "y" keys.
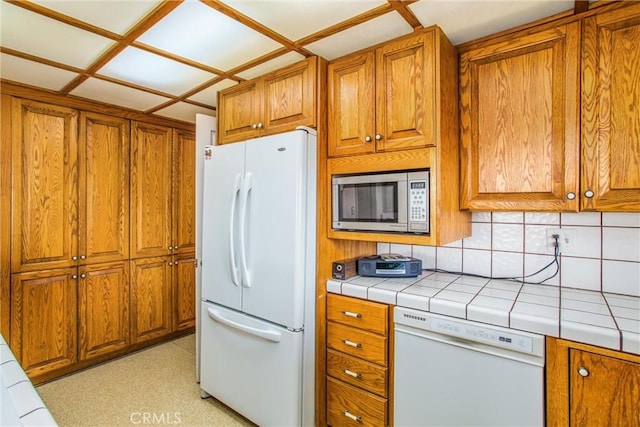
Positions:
{"x": 519, "y": 122}
{"x": 45, "y": 193}
{"x": 5, "y": 216}
{"x": 371, "y": 316}
{"x": 151, "y": 298}
{"x": 103, "y": 230}
{"x": 360, "y": 373}
{"x": 371, "y": 347}
{"x": 44, "y": 320}
{"x": 239, "y": 108}
{"x": 610, "y": 117}
{"x": 151, "y": 188}
{"x": 103, "y": 309}
{"x": 183, "y": 195}
{"x": 184, "y": 291}
{"x": 609, "y": 391}
{"x": 369, "y": 408}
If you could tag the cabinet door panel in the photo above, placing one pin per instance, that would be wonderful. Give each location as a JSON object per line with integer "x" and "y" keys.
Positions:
{"x": 103, "y": 310}
{"x": 44, "y": 194}
{"x": 104, "y": 188}
{"x": 405, "y": 93}
{"x": 610, "y": 120}
{"x": 184, "y": 292}
{"x": 150, "y": 298}
{"x": 43, "y": 320}
{"x": 519, "y": 122}
{"x": 184, "y": 193}
{"x": 608, "y": 395}
{"x": 289, "y": 97}
{"x": 238, "y": 112}
{"x": 351, "y": 106}
{"x": 151, "y": 158}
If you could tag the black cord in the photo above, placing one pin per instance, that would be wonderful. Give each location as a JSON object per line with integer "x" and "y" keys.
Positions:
{"x": 519, "y": 279}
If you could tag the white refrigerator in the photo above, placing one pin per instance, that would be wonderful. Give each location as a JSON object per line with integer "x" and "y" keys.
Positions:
{"x": 257, "y": 341}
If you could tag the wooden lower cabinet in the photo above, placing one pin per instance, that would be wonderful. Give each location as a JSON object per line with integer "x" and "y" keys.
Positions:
{"x": 150, "y": 298}
{"x": 184, "y": 292}
{"x": 358, "y": 362}
{"x": 103, "y": 309}
{"x": 591, "y": 386}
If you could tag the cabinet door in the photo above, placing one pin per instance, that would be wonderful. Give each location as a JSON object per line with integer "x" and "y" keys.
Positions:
{"x": 151, "y": 159}
{"x": 289, "y": 97}
{"x": 184, "y": 291}
{"x": 610, "y": 116}
{"x": 103, "y": 233}
{"x": 150, "y": 298}
{"x": 43, "y": 320}
{"x": 239, "y": 112}
{"x": 103, "y": 308}
{"x": 405, "y": 93}
{"x": 351, "y": 105}
{"x": 609, "y": 393}
{"x": 44, "y": 191}
{"x": 184, "y": 193}
{"x": 519, "y": 122}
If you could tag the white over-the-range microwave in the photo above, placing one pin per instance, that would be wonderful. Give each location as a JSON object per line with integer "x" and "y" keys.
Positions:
{"x": 382, "y": 202}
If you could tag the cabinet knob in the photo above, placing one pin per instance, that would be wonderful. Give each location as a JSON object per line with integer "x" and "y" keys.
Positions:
{"x": 75, "y": 257}
{"x": 83, "y": 275}
{"x": 254, "y": 126}
{"x": 175, "y": 263}
{"x": 589, "y": 194}
{"x": 259, "y": 125}
{"x": 175, "y": 247}
{"x": 170, "y": 248}
{"x": 571, "y": 195}
{"x": 74, "y": 276}
{"x": 170, "y": 263}
{"x": 584, "y": 372}
{"x": 367, "y": 138}
{"x": 349, "y": 415}
{"x": 378, "y": 137}
{"x": 83, "y": 257}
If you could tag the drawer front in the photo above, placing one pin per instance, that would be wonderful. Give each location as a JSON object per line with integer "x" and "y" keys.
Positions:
{"x": 350, "y": 406}
{"x": 358, "y": 343}
{"x": 367, "y": 315}
{"x": 357, "y": 372}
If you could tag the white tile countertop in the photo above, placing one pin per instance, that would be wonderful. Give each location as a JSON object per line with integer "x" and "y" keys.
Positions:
{"x": 591, "y": 317}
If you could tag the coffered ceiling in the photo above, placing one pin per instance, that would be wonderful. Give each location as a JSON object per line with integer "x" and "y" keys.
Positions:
{"x": 170, "y": 58}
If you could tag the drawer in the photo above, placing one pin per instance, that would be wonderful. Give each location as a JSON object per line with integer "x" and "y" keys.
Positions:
{"x": 367, "y": 315}
{"x": 350, "y": 406}
{"x": 357, "y": 372}
{"x": 357, "y": 342}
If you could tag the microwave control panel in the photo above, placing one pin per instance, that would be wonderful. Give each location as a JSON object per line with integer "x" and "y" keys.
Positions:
{"x": 418, "y": 205}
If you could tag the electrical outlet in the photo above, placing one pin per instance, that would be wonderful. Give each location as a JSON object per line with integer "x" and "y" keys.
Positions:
{"x": 566, "y": 239}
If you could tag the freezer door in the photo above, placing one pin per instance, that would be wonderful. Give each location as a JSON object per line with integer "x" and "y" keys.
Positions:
{"x": 275, "y": 234}
{"x": 252, "y": 366}
{"x": 223, "y": 174}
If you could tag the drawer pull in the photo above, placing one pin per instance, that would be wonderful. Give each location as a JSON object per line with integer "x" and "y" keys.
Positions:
{"x": 351, "y": 314}
{"x": 351, "y": 373}
{"x": 353, "y": 417}
{"x": 352, "y": 344}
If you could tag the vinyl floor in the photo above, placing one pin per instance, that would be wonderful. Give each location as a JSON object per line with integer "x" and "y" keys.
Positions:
{"x": 155, "y": 386}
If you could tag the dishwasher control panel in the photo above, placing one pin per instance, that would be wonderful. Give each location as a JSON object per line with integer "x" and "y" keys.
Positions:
{"x": 483, "y": 334}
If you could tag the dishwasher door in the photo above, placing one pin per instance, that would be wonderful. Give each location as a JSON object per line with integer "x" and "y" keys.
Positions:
{"x": 458, "y": 377}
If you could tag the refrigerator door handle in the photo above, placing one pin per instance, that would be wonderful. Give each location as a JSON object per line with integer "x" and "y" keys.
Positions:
{"x": 262, "y": 333}
{"x": 248, "y": 185}
{"x": 232, "y": 235}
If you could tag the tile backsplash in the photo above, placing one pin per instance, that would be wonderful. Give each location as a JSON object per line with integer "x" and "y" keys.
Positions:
{"x": 603, "y": 256}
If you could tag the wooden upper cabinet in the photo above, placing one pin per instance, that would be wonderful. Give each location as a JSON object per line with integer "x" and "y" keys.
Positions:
{"x": 351, "y": 108}
{"x": 44, "y": 190}
{"x": 103, "y": 188}
{"x": 151, "y": 188}
{"x": 184, "y": 193}
{"x": 274, "y": 103}
{"x": 519, "y": 100}
{"x": 610, "y": 111}
{"x": 385, "y": 99}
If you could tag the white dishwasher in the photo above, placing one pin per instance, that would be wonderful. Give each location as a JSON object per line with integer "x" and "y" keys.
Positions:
{"x": 454, "y": 372}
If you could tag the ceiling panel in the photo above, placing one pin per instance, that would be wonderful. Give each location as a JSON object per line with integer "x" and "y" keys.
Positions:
{"x": 33, "y": 74}
{"x": 36, "y": 35}
{"x": 154, "y": 71}
{"x": 375, "y": 31}
{"x": 117, "y": 16}
{"x": 183, "y": 111}
{"x": 198, "y": 32}
{"x": 481, "y": 18}
{"x": 209, "y": 95}
{"x": 297, "y": 19}
{"x": 274, "y": 64}
{"x": 116, "y": 94}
